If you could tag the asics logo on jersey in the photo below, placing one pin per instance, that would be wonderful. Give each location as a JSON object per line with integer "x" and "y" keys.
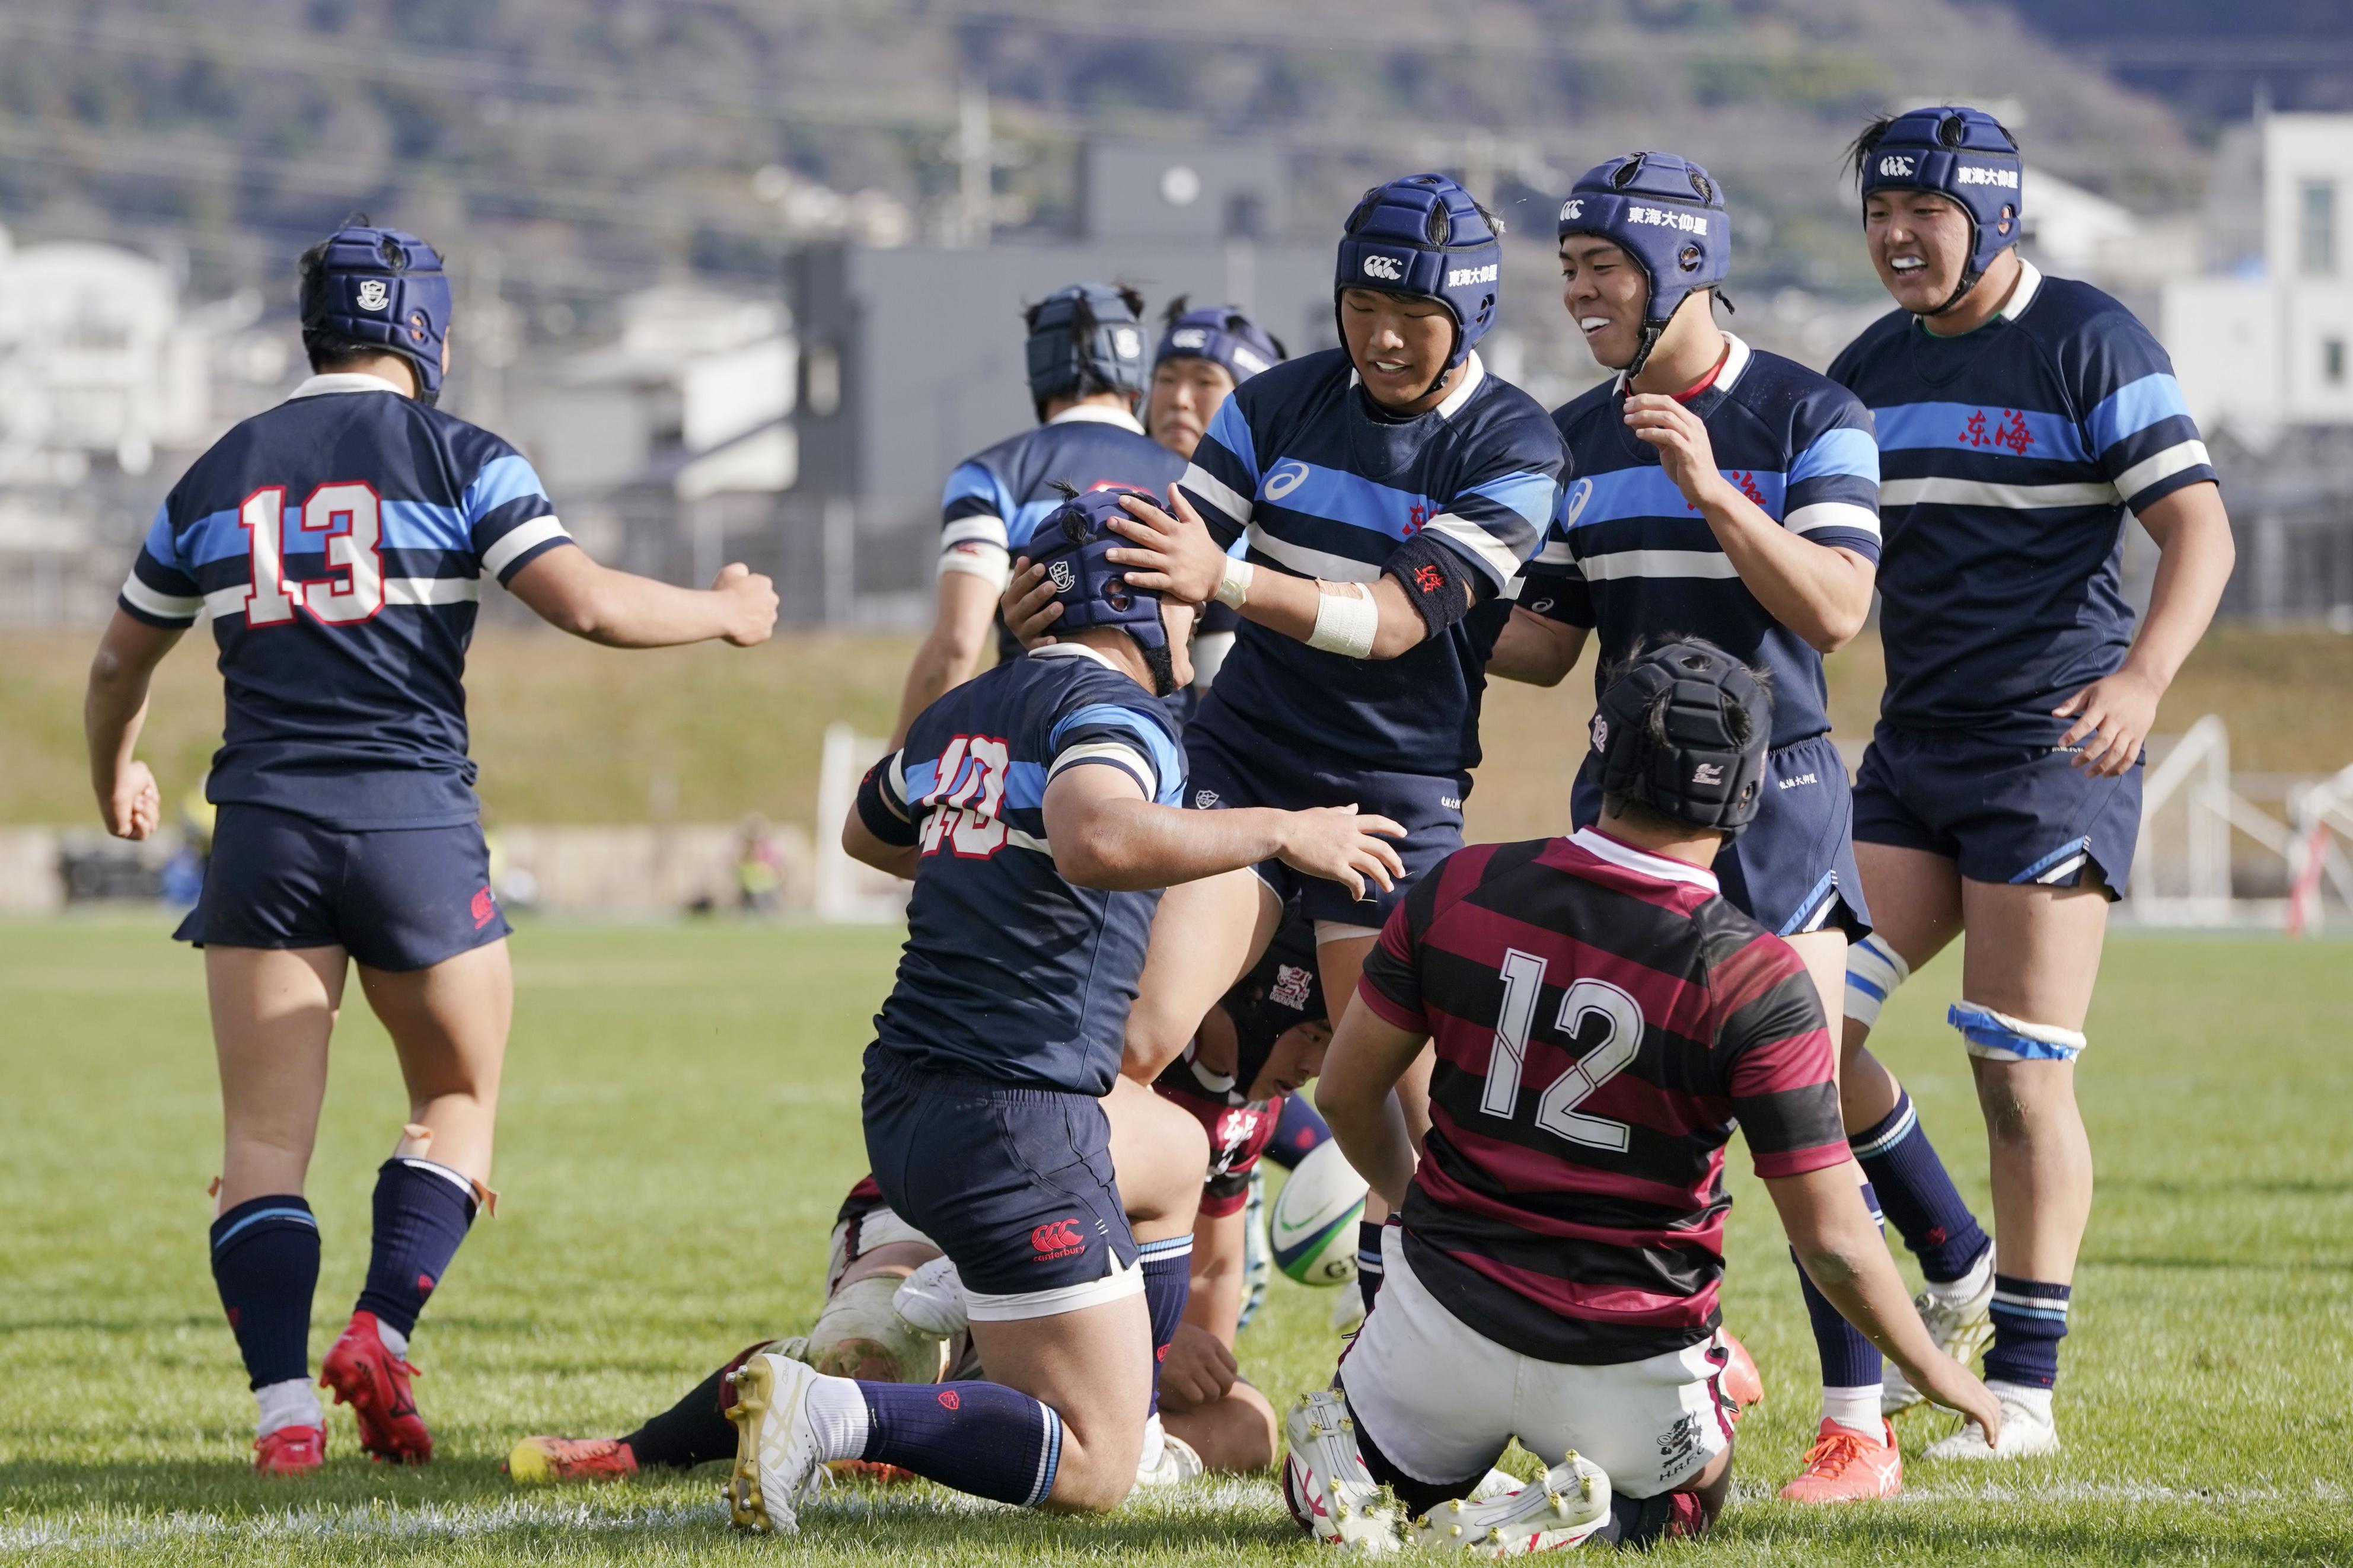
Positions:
{"x": 1707, "y": 772}
{"x": 1062, "y": 575}
{"x": 1388, "y": 268}
{"x": 1573, "y": 503}
{"x": 1056, "y": 1238}
{"x": 374, "y": 294}
{"x": 1973, "y": 174}
{"x": 1286, "y": 478}
{"x": 1891, "y": 166}
{"x": 1459, "y": 276}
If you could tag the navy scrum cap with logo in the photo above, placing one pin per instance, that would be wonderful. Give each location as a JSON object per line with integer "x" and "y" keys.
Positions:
{"x": 1424, "y": 237}
{"x": 1073, "y": 544}
{"x": 1086, "y": 330}
{"x": 1669, "y": 738}
{"x": 1284, "y": 991}
{"x": 383, "y": 287}
{"x": 1668, "y": 214}
{"x": 1962, "y": 154}
{"x": 1220, "y": 333}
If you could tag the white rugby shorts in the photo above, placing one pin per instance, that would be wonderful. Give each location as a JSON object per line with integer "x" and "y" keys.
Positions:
{"x": 854, "y": 1237}
{"x": 1440, "y": 1400}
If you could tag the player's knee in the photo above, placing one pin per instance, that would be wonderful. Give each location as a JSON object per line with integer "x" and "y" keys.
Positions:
{"x": 860, "y": 1334}
{"x": 1874, "y": 969}
{"x": 1091, "y": 1481}
{"x": 2014, "y": 1060}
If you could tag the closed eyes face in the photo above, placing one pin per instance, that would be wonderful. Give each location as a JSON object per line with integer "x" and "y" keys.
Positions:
{"x": 1605, "y": 293}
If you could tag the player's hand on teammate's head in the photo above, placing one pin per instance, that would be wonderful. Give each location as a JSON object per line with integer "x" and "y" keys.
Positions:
{"x": 751, "y": 604}
{"x": 2113, "y": 717}
{"x": 1028, "y": 604}
{"x": 1342, "y": 845}
{"x": 1199, "y": 1370}
{"x": 133, "y": 808}
{"x": 1174, "y": 554}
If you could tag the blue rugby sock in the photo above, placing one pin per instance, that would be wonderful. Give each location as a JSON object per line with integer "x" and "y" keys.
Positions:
{"x": 422, "y": 1213}
{"x": 1853, "y": 1370}
{"x": 978, "y": 1437}
{"x": 266, "y": 1265}
{"x": 2030, "y": 1319}
{"x": 1168, "y": 1283}
{"x": 1299, "y": 1132}
{"x": 1921, "y": 1200}
{"x": 1370, "y": 1266}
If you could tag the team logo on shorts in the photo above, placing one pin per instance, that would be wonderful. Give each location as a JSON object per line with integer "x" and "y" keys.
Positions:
{"x": 484, "y": 910}
{"x": 374, "y": 294}
{"x": 1056, "y": 1238}
{"x": 1679, "y": 1447}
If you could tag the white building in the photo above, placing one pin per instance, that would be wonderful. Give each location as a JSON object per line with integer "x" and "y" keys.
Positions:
{"x": 2265, "y": 342}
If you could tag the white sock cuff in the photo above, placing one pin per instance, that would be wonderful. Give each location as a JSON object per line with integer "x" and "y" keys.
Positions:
{"x": 838, "y": 1415}
{"x": 392, "y": 1339}
{"x": 293, "y": 1403}
{"x": 449, "y": 1173}
{"x": 1856, "y": 1409}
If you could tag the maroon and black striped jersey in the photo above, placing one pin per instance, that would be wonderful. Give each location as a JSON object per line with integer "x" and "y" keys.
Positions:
{"x": 1602, "y": 1019}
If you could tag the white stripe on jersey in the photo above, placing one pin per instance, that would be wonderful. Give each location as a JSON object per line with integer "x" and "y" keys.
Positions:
{"x": 894, "y": 782}
{"x": 1313, "y": 563}
{"x": 1113, "y": 752}
{"x": 163, "y": 606}
{"x": 980, "y": 528}
{"x": 1940, "y": 491}
{"x": 2149, "y": 470}
{"x": 1833, "y": 514}
{"x": 1618, "y": 564}
{"x": 1499, "y": 564}
{"x": 431, "y": 590}
{"x": 1217, "y": 493}
{"x": 515, "y": 540}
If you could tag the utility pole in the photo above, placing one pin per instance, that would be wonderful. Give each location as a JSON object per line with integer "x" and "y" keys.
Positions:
{"x": 976, "y": 165}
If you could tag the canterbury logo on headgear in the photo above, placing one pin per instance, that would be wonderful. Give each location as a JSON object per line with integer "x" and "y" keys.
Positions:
{"x": 1572, "y": 209}
{"x": 1388, "y": 268}
{"x": 1892, "y": 165}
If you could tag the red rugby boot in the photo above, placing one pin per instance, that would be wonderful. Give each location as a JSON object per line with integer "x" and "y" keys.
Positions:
{"x": 291, "y": 1451}
{"x": 374, "y": 1382}
{"x": 1844, "y": 1465}
{"x": 535, "y": 1461}
{"x": 1740, "y": 1382}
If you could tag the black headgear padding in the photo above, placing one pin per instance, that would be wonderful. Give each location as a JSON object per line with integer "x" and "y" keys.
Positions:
{"x": 1667, "y": 740}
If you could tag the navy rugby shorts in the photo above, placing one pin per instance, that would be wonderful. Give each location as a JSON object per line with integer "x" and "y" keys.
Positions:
{"x": 1290, "y": 777}
{"x": 394, "y": 899}
{"x": 2003, "y": 810}
{"x": 1792, "y": 870}
{"x": 1013, "y": 1184}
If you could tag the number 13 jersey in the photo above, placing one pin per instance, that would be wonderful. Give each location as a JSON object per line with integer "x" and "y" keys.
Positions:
{"x": 339, "y": 541}
{"x": 1602, "y": 1019}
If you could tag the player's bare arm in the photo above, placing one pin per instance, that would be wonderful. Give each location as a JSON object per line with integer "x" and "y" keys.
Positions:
{"x": 1176, "y": 556}
{"x": 1819, "y": 590}
{"x": 1357, "y": 1095}
{"x": 1843, "y": 1252}
{"x": 1536, "y": 650}
{"x": 113, "y": 709}
{"x": 574, "y": 594}
{"x": 949, "y": 651}
{"x": 1106, "y": 835}
{"x": 2195, "y": 554}
{"x": 859, "y": 842}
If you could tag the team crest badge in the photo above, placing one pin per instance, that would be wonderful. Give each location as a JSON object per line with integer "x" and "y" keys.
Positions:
{"x": 374, "y": 294}
{"x": 1601, "y": 733}
{"x": 1291, "y": 983}
{"x": 1203, "y": 799}
{"x": 1062, "y": 575}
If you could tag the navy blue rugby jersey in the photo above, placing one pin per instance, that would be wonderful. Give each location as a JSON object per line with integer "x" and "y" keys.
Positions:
{"x": 2009, "y": 457}
{"x": 1629, "y": 556}
{"x": 1301, "y": 465}
{"x": 1009, "y": 971}
{"x": 339, "y": 541}
{"x": 996, "y": 498}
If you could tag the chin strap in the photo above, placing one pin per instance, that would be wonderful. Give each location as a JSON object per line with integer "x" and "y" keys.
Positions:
{"x": 1650, "y": 336}
{"x": 1968, "y": 282}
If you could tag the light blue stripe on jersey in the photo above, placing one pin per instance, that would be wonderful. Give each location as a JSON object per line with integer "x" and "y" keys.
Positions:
{"x": 2134, "y": 407}
{"x": 970, "y": 481}
{"x": 417, "y": 525}
{"x": 1228, "y": 428}
{"x": 404, "y": 524}
{"x": 161, "y": 544}
{"x": 1345, "y": 497}
{"x": 1021, "y": 521}
{"x": 1529, "y": 495}
{"x": 213, "y": 538}
{"x": 1843, "y": 451}
{"x": 502, "y": 479}
{"x": 1647, "y": 491}
{"x": 1906, "y": 425}
{"x": 1167, "y": 760}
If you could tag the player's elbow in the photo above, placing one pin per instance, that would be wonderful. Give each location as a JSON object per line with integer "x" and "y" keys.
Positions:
{"x": 1398, "y": 634}
{"x": 1094, "y": 860}
{"x": 581, "y": 609}
{"x": 1840, "y": 625}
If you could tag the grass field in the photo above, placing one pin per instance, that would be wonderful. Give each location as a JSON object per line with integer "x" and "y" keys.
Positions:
{"x": 680, "y": 1119}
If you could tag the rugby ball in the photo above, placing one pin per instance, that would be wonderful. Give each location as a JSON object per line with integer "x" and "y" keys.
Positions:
{"x": 1312, "y": 1224}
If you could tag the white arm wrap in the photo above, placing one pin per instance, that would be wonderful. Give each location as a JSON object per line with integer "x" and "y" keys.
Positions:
{"x": 1345, "y": 619}
{"x": 1233, "y": 588}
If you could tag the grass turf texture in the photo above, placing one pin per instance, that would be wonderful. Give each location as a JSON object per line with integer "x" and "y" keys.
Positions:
{"x": 680, "y": 1119}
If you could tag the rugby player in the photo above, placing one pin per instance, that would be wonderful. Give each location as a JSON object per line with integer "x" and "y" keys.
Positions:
{"x": 1602, "y": 1019}
{"x": 1263, "y": 1040}
{"x": 339, "y": 541}
{"x": 2020, "y": 418}
{"x": 1034, "y": 809}
{"x": 1086, "y": 372}
{"x": 1730, "y": 494}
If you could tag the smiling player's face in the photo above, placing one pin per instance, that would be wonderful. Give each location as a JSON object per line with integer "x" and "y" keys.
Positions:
{"x": 1919, "y": 243}
{"x": 1605, "y": 294}
{"x": 1398, "y": 346}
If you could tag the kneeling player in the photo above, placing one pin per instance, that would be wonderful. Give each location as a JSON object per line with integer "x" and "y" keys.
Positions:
{"x": 1602, "y": 1018}
{"x": 1035, "y": 809}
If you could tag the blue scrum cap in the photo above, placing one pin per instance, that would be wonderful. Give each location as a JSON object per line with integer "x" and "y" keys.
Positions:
{"x": 1423, "y": 237}
{"x": 1086, "y": 332}
{"x": 384, "y": 287}
{"x": 1668, "y": 214}
{"x": 1073, "y": 544}
{"x": 1220, "y": 333}
{"x": 1962, "y": 154}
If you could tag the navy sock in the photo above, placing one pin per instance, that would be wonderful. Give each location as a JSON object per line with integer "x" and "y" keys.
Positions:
{"x": 422, "y": 1213}
{"x": 978, "y": 1437}
{"x": 2030, "y": 1319}
{"x": 1927, "y": 1208}
{"x": 1168, "y": 1283}
{"x": 265, "y": 1264}
{"x": 1299, "y": 1132}
{"x": 1849, "y": 1360}
{"x": 1368, "y": 1260}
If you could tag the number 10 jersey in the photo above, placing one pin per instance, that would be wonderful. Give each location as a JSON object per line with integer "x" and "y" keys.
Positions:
{"x": 339, "y": 541}
{"x": 1602, "y": 1019}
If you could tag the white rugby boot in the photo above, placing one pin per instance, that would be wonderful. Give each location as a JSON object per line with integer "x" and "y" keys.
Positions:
{"x": 1961, "y": 1326}
{"x": 1168, "y": 1461}
{"x": 1552, "y": 1514}
{"x": 1324, "y": 1482}
{"x": 2028, "y": 1430}
{"x": 777, "y": 1461}
{"x": 931, "y": 1299}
